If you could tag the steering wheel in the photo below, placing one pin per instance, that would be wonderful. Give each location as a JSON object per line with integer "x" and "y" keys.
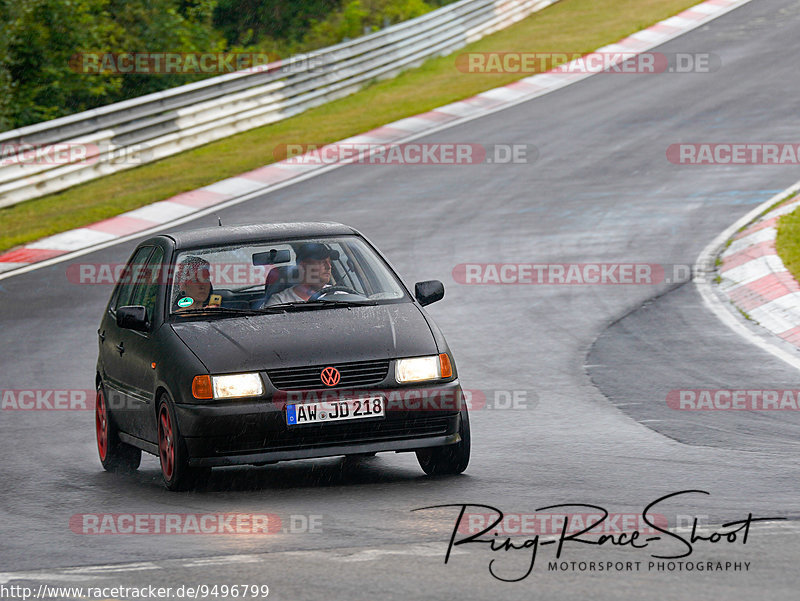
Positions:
{"x": 324, "y": 291}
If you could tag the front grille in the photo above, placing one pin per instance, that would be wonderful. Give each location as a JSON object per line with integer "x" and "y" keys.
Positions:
{"x": 357, "y": 373}
{"x": 330, "y": 434}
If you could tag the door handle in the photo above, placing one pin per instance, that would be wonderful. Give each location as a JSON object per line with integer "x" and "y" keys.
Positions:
{"x": 101, "y": 335}
{"x": 121, "y": 348}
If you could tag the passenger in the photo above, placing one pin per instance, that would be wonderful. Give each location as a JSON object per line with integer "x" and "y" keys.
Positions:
{"x": 193, "y": 280}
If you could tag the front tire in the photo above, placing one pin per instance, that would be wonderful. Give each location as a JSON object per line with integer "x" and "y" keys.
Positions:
{"x": 450, "y": 459}
{"x": 172, "y": 453}
{"x": 115, "y": 455}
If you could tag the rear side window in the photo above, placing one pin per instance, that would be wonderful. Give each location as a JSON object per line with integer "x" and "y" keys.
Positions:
{"x": 133, "y": 272}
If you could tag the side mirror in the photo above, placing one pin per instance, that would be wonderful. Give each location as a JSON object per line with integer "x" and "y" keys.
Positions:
{"x": 429, "y": 292}
{"x": 132, "y": 318}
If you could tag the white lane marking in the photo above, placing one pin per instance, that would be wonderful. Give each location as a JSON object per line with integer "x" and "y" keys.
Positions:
{"x": 82, "y": 573}
{"x": 785, "y": 209}
{"x": 159, "y": 211}
{"x": 504, "y": 94}
{"x": 234, "y": 185}
{"x": 704, "y": 8}
{"x": 226, "y": 559}
{"x": 679, "y": 22}
{"x": 470, "y": 113}
{"x": 649, "y": 36}
{"x": 411, "y": 124}
{"x": 434, "y": 549}
{"x": 422, "y": 550}
{"x": 129, "y": 567}
{"x": 749, "y": 272}
{"x": 778, "y": 315}
{"x": 77, "y": 573}
{"x": 6, "y": 577}
{"x": 704, "y": 270}
{"x": 740, "y": 244}
{"x": 768, "y": 527}
{"x": 9, "y": 266}
{"x": 72, "y": 240}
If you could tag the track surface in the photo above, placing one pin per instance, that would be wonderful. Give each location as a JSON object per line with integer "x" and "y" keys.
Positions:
{"x": 600, "y": 433}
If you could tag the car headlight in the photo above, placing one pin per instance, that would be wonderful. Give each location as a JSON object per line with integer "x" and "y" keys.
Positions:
{"x": 420, "y": 369}
{"x": 227, "y": 387}
{"x": 240, "y": 385}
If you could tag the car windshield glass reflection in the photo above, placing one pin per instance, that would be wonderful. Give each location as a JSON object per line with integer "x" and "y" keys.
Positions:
{"x": 279, "y": 277}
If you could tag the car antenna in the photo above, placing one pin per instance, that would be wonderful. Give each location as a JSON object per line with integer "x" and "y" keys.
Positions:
{"x": 219, "y": 219}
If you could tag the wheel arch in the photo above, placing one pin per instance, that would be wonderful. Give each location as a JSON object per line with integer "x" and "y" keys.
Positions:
{"x": 161, "y": 392}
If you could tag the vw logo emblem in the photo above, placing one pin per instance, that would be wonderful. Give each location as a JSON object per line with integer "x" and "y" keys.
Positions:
{"x": 330, "y": 376}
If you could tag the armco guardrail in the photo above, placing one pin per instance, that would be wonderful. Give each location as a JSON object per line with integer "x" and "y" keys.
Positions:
{"x": 127, "y": 134}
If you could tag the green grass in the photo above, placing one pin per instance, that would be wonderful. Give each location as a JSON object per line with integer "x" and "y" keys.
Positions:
{"x": 568, "y": 26}
{"x": 769, "y": 209}
{"x": 787, "y": 242}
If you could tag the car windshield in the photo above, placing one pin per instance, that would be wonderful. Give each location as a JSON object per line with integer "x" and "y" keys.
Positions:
{"x": 306, "y": 274}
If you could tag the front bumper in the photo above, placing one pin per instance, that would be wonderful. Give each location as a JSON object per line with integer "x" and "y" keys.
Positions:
{"x": 325, "y": 451}
{"x": 255, "y": 431}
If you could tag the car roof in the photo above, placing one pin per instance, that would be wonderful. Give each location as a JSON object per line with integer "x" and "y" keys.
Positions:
{"x": 257, "y": 232}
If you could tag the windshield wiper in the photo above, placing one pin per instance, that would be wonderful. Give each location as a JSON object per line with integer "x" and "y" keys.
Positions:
{"x": 219, "y": 311}
{"x": 318, "y": 304}
{"x": 278, "y": 308}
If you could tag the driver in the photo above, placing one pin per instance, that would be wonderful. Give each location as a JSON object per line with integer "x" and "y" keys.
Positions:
{"x": 314, "y": 266}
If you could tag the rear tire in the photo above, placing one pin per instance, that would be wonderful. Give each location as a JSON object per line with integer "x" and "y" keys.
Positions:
{"x": 450, "y": 459}
{"x": 176, "y": 473}
{"x": 115, "y": 455}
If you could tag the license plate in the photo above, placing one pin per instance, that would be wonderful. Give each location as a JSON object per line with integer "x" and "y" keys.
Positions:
{"x": 335, "y": 411}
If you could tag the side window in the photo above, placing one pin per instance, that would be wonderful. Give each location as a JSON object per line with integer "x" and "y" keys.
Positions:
{"x": 146, "y": 291}
{"x": 130, "y": 276}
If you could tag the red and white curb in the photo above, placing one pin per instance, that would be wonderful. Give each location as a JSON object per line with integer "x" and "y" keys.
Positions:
{"x": 242, "y": 187}
{"x": 755, "y": 279}
{"x": 740, "y": 269}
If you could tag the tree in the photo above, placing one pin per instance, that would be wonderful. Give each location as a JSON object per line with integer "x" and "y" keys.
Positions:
{"x": 37, "y": 39}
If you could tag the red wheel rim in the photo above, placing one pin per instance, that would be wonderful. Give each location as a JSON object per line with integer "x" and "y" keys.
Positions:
{"x": 101, "y": 425}
{"x": 166, "y": 442}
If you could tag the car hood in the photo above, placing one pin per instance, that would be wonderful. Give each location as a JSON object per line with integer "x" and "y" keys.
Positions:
{"x": 295, "y": 339}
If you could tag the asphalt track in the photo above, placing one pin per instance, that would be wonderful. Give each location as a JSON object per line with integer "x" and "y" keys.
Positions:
{"x": 600, "y": 361}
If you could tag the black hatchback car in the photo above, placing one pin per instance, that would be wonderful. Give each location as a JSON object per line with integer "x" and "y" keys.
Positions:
{"x": 264, "y": 343}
